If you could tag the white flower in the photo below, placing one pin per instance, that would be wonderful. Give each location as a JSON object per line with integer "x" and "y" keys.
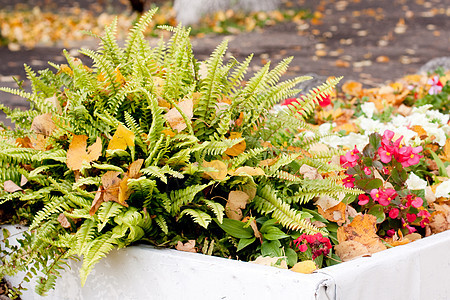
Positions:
{"x": 414, "y": 182}
{"x": 368, "y": 109}
{"x": 434, "y": 114}
{"x": 325, "y": 128}
{"x": 369, "y": 125}
{"x": 443, "y": 190}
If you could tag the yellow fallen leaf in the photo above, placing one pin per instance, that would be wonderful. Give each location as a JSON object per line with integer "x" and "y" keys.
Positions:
{"x": 239, "y": 147}
{"x": 252, "y": 171}
{"x": 220, "y": 171}
{"x": 122, "y": 138}
{"x": 335, "y": 213}
{"x": 77, "y": 153}
{"x": 305, "y": 267}
{"x": 174, "y": 118}
{"x": 446, "y": 155}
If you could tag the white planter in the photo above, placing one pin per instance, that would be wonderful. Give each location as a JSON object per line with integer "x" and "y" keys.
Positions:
{"x": 420, "y": 270}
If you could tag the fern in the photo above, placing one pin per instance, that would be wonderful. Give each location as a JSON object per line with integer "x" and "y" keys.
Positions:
{"x": 199, "y": 217}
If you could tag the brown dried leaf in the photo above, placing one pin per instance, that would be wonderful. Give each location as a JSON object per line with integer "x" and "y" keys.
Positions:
{"x": 252, "y": 171}
{"x": 132, "y": 173}
{"x": 271, "y": 261}
{"x": 189, "y": 246}
{"x": 10, "y": 187}
{"x": 174, "y": 118}
{"x": 352, "y": 88}
{"x": 335, "y": 213}
{"x": 98, "y": 200}
{"x": 348, "y": 250}
{"x": 43, "y": 124}
{"x": 111, "y": 183}
{"x": 237, "y": 200}
{"x": 309, "y": 172}
{"x": 62, "y": 219}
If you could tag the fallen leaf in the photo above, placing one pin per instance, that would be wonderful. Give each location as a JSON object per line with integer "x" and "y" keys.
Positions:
{"x": 335, "y": 213}
{"x": 10, "y": 187}
{"x": 363, "y": 230}
{"x": 122, "y": 138}
{"x": 352, "y": 88}
{"x": 252, "y": 171}
{"x": 239, "y": 147}
{"x": 220, "y": 171}
{"x": 446, "y": 155}
{"x": 340, "y": 63}
{"x": 23, "y": 180}
{"x": 98, "y": 200}
{"x": 132, "y": 173}
{"x": 309, "y": 172}
{"x": 62, "y": 219}
{"x": 305, "y": 267}
{"x": 174, "y": 118}
{"x": 348, "y": 250}
{"x": 271, "y": 261}
{"x": 109, "y": 191}
{"x": 77, "y": 153}
{"x": 43, "y": 124}
{"x": 237, "y": 200}
{"x": 326, "y": 202}
{"x": 189, "y": 246}
{"x": 382, "y": 59}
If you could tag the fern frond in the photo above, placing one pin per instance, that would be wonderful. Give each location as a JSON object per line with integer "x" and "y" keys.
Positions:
{"x": 107, "y": 211}
{"x": 267, "y": 202}
{"x": 216, "y": 208}
{"x": 179, "y": 198}
{"x": 199, "y": 217}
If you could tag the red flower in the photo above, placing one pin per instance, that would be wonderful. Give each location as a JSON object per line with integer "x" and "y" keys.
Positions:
{"x": 290, "y": 101}
{"x": 411, "y": 218}
{"x": 393, "y": 213}
{"x": 363, "y": 199}
{"x": 349, "y": 181}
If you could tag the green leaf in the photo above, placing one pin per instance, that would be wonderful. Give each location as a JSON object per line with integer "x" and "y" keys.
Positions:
{"x": 378, "y": 211}
{"x": 316, "y": 215}
{"x": 244, "y": 243}
{"x": 368, "y": 184}
{"x": 291, "y": 256}
{"x": 217, "y": 208}
{"x": 235, "y": 228}
{"x": 274, "y": 233}
{"x": 440, "y": 164}
{"x": 271, "y": 248}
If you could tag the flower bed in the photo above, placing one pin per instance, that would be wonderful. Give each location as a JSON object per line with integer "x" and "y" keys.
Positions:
{"x": 150, "y": 145}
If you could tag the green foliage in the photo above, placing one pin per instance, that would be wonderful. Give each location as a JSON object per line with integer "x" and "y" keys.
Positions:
{"x": 154, "y": 168}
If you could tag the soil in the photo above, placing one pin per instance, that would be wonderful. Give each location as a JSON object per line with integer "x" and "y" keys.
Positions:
{"x": 370, "y": 41}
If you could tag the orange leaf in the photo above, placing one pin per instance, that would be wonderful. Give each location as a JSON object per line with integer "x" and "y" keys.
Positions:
{"x": 98, "y": 200}
{"x": 174, "y": 118}
{"x": 220, "y": 171}
{"x": 239, "y": 147}
{"x": 350, "y": 249}
{"x": 133, "y": 172}
{"x": 335, "y": 213}
{"x": 363, "y": 230}
{"x": 111, "y": 182}
{"x": 352, "y": 88}
{"x": 77, "y": 153}
{"x": 446, "y": 155}
{"x": 122, "y": 138}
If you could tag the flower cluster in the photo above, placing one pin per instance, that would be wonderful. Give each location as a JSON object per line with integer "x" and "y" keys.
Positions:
{"x": 406, "y": 155}
{"x": 318, "y": 244}
{"x": 380, "y": 172}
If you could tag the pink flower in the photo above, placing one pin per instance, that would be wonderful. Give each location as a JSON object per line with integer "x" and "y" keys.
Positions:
{"x": 423, "y": 213}
{"x": 367, "y": 171}
{"x": 386, "y": 171}
{"x": 424, "y": 222}
{"x": 385, "y": 154}
{"x": 436, "y": 85}
{"x": 375, "y": 194}
{"x": 349, "y": 181}
{"x": 410, "y": 229}
{"x": 417, "y": 202}
{"x": 386, "y": 196}
{"x": 413, "y": 157}
{"x": 393, "y": 213}
{"x": 411, "y": 218}
{"x": 390, "y": 232}
{"x": 363, "y": 199}
{"x": 350, "y": 158}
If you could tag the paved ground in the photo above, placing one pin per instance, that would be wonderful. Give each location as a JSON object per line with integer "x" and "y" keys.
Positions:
{"x": 371, "y": 41}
